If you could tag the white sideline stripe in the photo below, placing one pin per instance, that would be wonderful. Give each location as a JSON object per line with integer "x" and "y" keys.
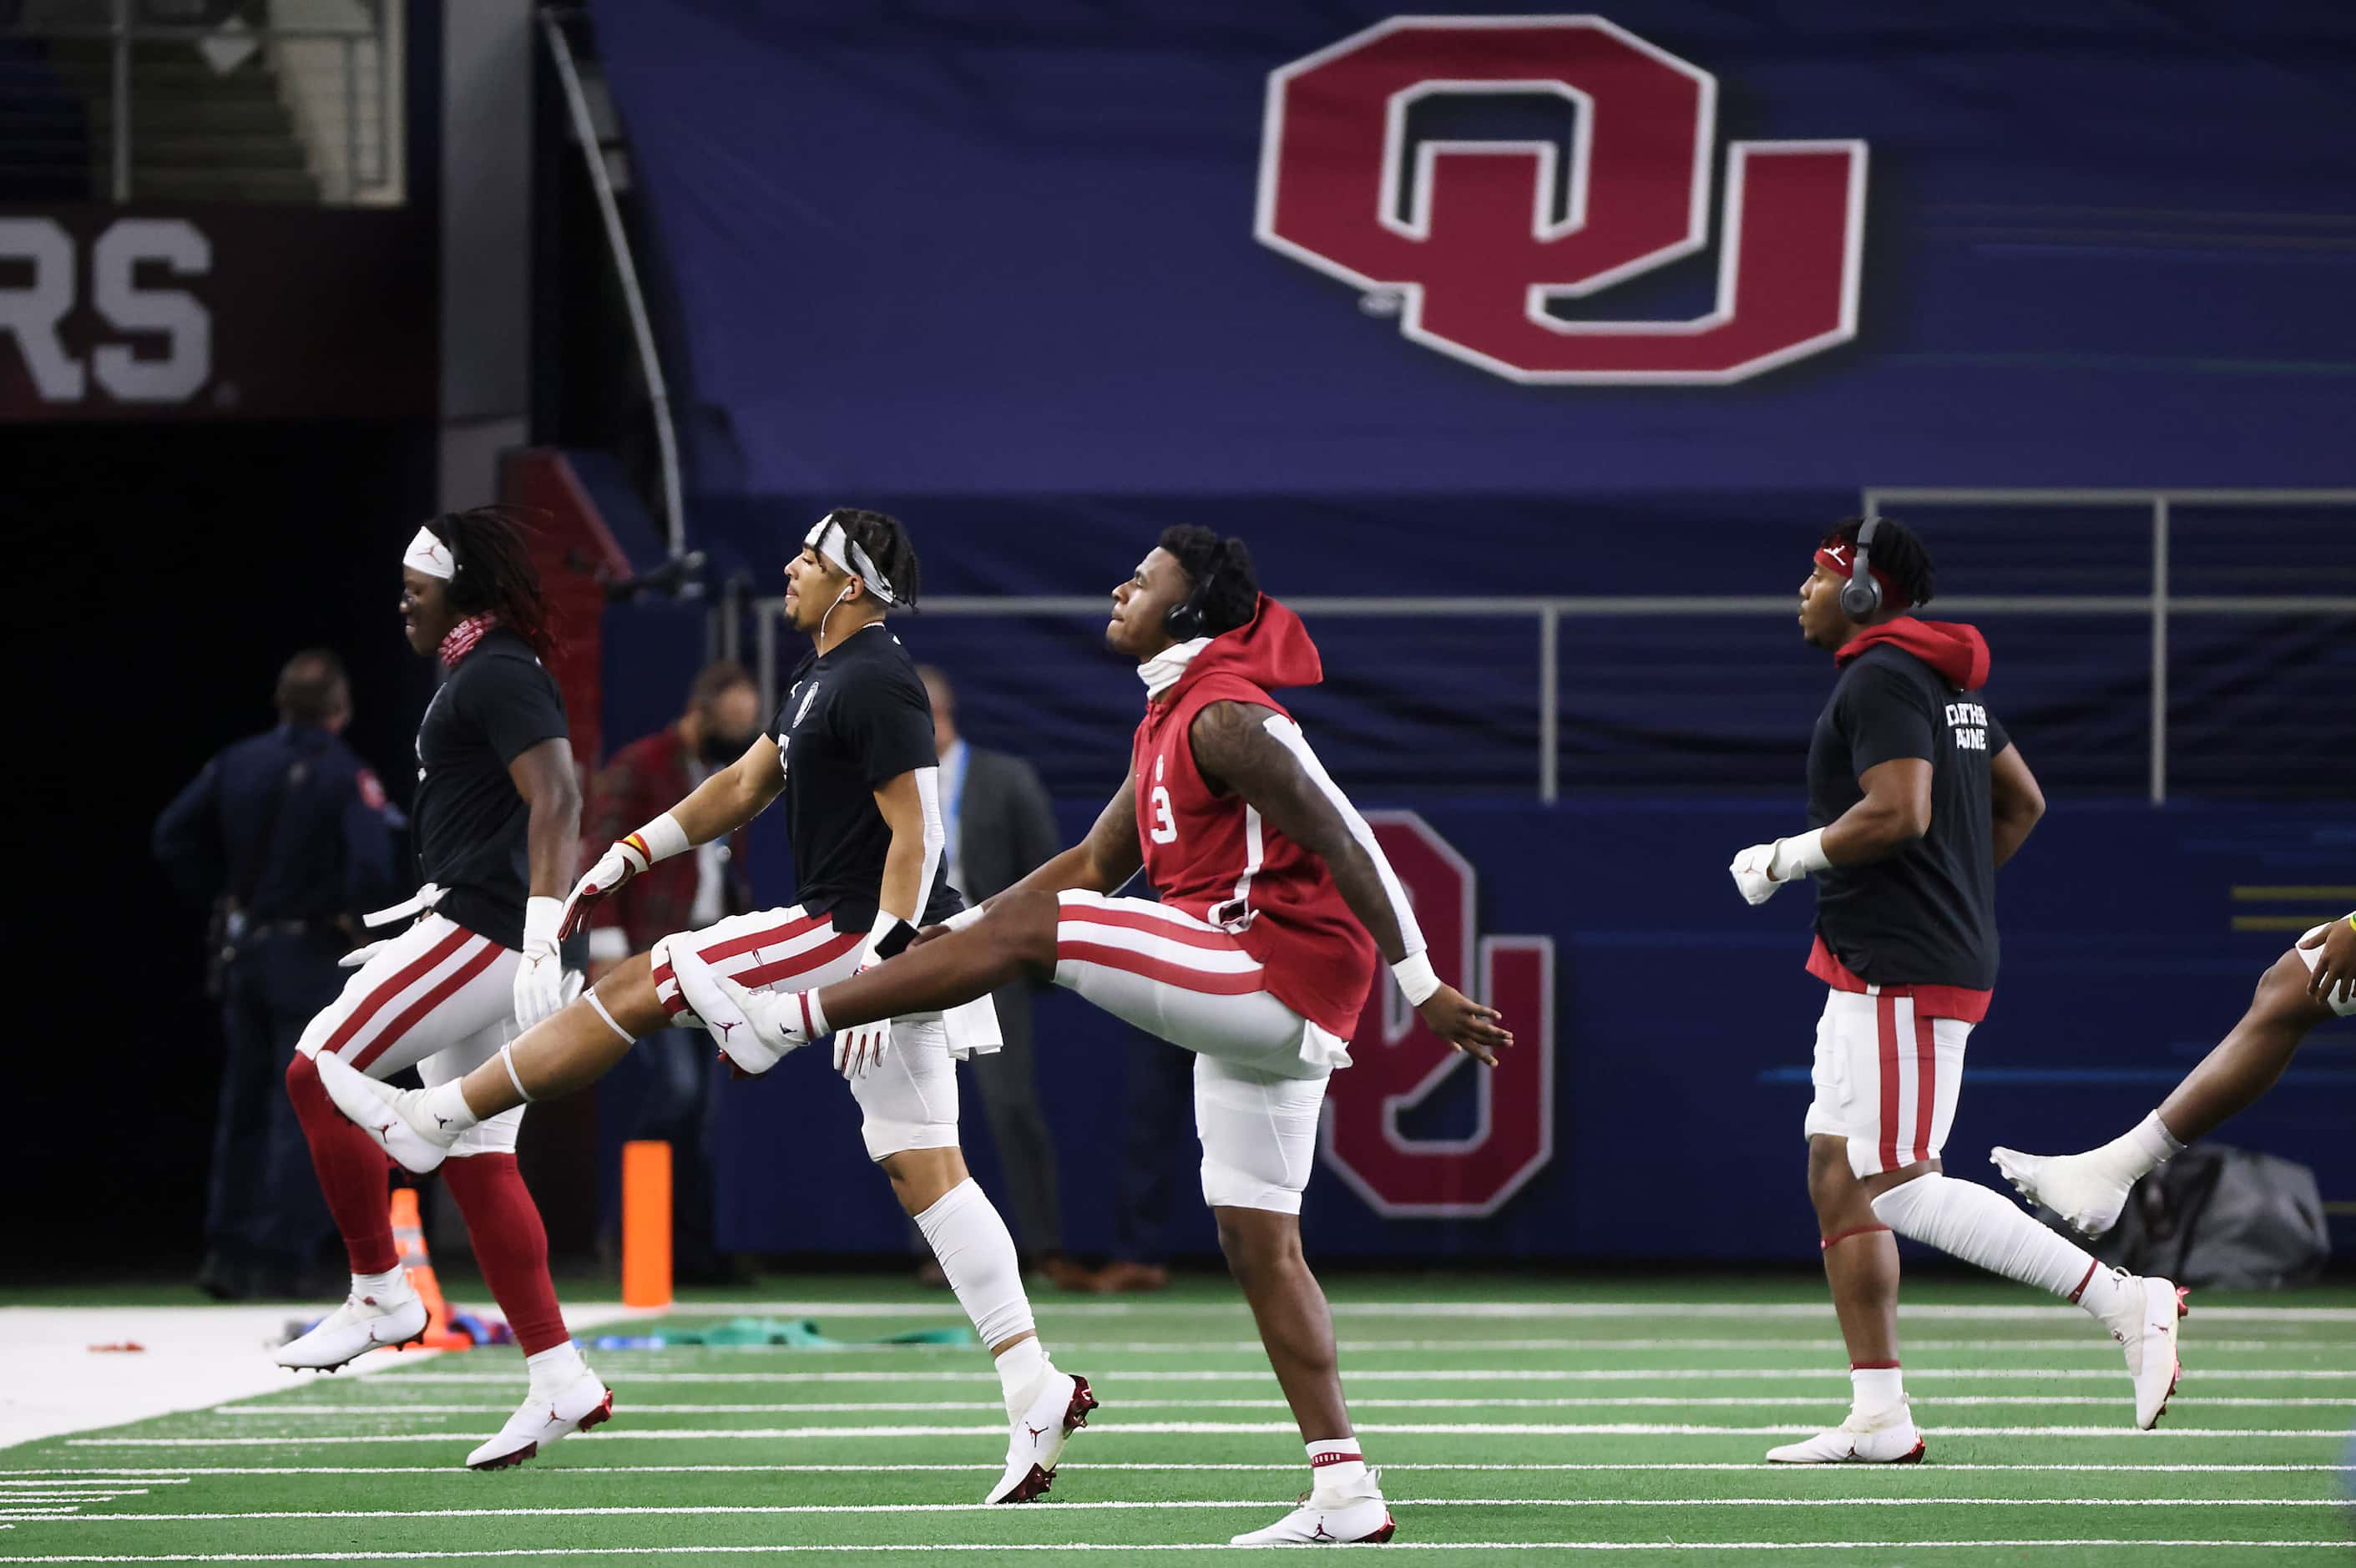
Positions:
{"x": 1810, "y": 1310}
{"x": 1241, "y": 1428}
{"x": 1631, "y": 1402}
{"x": 1899, "y": 1471}
{"x": 1475, "y": 1374}
{"x": 2081, "y": 1342}
{"x": 1002, "y": 1546}
{"x": 745, "y": 1510}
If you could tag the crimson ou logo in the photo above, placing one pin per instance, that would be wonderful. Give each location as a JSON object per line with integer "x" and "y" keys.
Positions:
{"x": 1397, "y": 1064}
{"x": 1478, "y": 237}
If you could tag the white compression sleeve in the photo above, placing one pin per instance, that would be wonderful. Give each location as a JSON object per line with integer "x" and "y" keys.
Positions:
{"x": 1289, "y": 735}
{"x": 975, "y": 1251}
{"x": 1966, "y": 1221}
{"x": 936, "y": 838}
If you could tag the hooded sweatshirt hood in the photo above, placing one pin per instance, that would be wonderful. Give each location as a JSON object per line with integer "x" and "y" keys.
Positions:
{"x": 1271, "y": 650}
{"x": 1957, "y": 651}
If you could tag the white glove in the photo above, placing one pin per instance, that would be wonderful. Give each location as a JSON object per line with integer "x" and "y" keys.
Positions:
{"x": 360, "y": 956}
{"x": 1764, "y": 868}
{"x": 542, "y": 986}
{"x": 861, "y": 1048}
{"x": 621, "y": 861}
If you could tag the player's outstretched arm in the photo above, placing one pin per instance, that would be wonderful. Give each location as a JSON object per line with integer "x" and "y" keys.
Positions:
{"x": 719, "y": 805}
{"x": 1263, "y": 756}
{"x": 1099, "y": 862}
{"x": 2015, "y": 802}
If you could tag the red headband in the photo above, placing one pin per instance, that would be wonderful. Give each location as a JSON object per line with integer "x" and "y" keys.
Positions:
{"x": 1837, "y": 558}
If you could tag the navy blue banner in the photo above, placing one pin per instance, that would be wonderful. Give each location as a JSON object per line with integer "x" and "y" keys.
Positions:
{"x": 1311, "y": 252}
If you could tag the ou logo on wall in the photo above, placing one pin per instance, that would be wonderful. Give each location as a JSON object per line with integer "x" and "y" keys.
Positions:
{"x": 1397, "y": 1064}
{"x": 1477, "y": 238}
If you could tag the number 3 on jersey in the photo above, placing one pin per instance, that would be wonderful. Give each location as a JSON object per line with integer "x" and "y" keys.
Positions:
{"x": 1166, "y": 827}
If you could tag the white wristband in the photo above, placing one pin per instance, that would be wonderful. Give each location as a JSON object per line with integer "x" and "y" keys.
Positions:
{"x": 963, "y": 917}
{"x": 660, "y": 839}
{"x": 1417, "y": 980}
{"x": 541, "y": 918}
{"x": 1798, "y": 855}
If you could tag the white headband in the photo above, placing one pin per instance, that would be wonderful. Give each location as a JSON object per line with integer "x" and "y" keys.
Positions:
{"x": 428, "y": 556}
{"x": 842, "y": 553}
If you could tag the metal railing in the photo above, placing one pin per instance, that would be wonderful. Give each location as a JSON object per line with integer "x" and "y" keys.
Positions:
{"x": 1549, "y": 612}
{"x": 286, "y": 100}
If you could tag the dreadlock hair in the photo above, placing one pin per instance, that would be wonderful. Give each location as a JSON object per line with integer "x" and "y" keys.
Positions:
{"x": 886, "y": 540}
{"x": 1897, "y": 550}
{"x": 490, "y": 550}
{"x": 1234, "y": 594}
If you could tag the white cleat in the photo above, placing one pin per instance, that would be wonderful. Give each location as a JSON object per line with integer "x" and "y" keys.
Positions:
{"x": 1058, "y": 1407}
{"x": 395, "y": 1118}
{"x": 751, "y": 1030}
{"x": 2087, "y": 1199}
{"x": 1357, "y": 1516}
{"x": 2145, "y": 1327}
{"x": 1886, "y": 1437}
{"x": 583, "y": 1403}
{"x": 363, "y": 1324}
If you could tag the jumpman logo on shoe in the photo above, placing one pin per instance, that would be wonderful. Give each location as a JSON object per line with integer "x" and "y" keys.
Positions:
{"x": 1322, "y": 1535}
{"x": 1035, "y": 1431}
{"x": 727, "y": 1025}
{"x": 441, "y": 1120}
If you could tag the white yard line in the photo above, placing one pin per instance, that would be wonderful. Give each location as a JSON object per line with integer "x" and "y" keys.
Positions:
{"x": 177, "y": 1475}
{"x": 1633, "y": 1401}
{"x": 750, "y": 1510}
{"x": 997, "y": 1430}
{"x": 1485, "y": 1310}
{"x": 1828, "y": 1346}
{"x": 52, "y": 1381}
{"x": 620, "y": 1373}
{"x": 1000, "y": 1547}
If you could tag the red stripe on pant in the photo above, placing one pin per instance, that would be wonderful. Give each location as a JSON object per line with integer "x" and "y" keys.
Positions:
{"x": 1926, "y": 1081}
{"x": 450, "y": 986}
{"x": 1885, "y": 1018}
{"x": 720, "y": 952}
{"x": 808, "y": 961}
{"x": 1100, "y": 915}
{"x": 376, "y": 1001}
{"x": 1207, "y": 983}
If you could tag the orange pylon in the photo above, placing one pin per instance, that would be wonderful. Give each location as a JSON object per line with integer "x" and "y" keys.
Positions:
{"x": 409, "y": 1240}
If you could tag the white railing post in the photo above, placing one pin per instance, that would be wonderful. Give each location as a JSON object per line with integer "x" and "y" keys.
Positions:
{"x": 2158, "y": 649}
{"x": 1549, "y": 696}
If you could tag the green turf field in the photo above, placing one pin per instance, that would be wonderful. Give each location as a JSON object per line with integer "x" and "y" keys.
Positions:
{"x": 1515, "y": 1420}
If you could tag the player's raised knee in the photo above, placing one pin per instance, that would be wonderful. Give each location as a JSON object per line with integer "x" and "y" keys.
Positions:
{"x": 2284, "y": 984}
{"x": 1023, "y": 920}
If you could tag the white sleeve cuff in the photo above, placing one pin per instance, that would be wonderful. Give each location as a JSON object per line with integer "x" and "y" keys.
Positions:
{"x": 661, "y": 839}
{"x": 540, "y": 918}
{"x": 1800, "y": 855}
{"x": 963, "y": 917}
{"x": 1417, "y": 979}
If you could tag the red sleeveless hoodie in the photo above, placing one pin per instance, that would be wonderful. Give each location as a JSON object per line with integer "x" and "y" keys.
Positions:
{"x": 1213, "y": 857}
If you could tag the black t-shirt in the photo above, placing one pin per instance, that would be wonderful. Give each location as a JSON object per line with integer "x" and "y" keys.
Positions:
{"x": 852, "y": 720}
{"x": 497, "y": 705}
{"x": 1926, "y": 916}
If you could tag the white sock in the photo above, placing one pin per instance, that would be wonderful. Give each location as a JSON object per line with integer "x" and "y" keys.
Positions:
{"x": 387, "y": 1287}
{"x": 553, "y": 1368}
{"x": 1020, "y": 1366}
{"x": 971, "y": 1244}
{"x": 1969, "y": 1221}
{"x": 1335, "y": 1464}
{"x": 2140, "y": 1150}
{"x": 448, "y": 1104}
{"x": 1873, "y": 1390}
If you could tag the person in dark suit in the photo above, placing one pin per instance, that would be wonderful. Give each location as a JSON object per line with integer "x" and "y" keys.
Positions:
{"x": 665, "y": 1088}
{"x": 1000, "y": 829}
{"x": 288, "y": 835}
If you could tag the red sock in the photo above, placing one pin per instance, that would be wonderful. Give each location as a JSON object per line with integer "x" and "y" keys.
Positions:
{"x": 351, "y": 1171}
{"x": 510, "y": 1245}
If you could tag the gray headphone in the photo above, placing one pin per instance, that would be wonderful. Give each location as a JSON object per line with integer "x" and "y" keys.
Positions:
{"x": 1860, "y": 596}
